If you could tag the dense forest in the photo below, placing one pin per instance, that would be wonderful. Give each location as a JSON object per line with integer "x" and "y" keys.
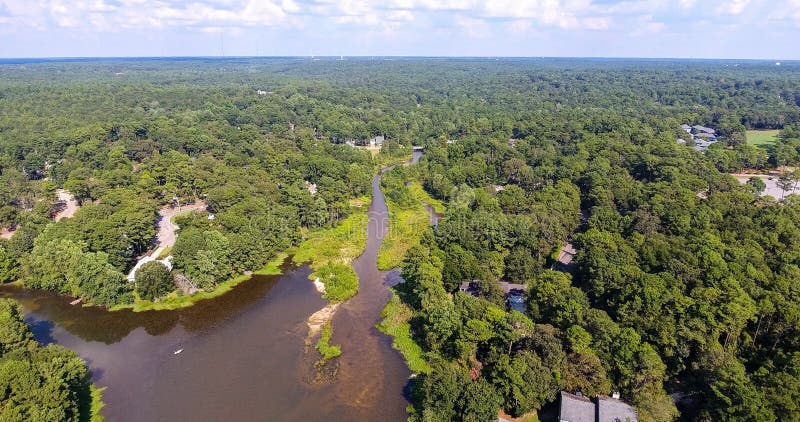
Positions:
{"x": 683, "y": 292}
{"x": 39, "y": 383}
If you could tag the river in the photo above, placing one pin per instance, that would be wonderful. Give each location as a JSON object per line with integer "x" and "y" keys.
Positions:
{"x": 243, "y": 352}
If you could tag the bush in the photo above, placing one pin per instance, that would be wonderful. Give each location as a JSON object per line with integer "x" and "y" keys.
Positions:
{"x": 341, "y": 281}
{"x": 153, "y": 280}
{"x": 325, "y": 349}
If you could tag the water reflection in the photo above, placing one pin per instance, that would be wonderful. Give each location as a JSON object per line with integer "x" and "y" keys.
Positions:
{"x": 97, "y": 324}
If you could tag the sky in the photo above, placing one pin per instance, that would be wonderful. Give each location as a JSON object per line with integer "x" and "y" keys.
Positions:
{"x": 736, "y": 29}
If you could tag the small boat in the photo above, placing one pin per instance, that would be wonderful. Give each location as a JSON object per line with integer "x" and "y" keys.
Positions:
{"x": 177, "y": 351}
{"x": 75, "y": 302}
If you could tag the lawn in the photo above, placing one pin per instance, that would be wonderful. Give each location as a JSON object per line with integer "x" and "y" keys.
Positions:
{"x": 762, "y": 138}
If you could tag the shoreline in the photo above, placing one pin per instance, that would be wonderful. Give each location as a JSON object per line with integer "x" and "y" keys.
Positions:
{"x": 174, "y": 302}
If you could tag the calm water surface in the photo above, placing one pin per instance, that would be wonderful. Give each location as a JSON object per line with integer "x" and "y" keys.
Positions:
{"x": 243, "y": 353}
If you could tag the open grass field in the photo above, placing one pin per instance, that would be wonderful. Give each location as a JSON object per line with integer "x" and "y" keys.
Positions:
{"x": 759, "y": 138}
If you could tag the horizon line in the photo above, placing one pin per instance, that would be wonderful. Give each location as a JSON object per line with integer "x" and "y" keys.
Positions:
{"x": 337, "y": 56}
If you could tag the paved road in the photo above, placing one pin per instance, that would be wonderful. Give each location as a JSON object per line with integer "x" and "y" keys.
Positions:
{"x": 167, "y": 229}
{"x": 72, "y": 204}
{"x": 772, "y": 185}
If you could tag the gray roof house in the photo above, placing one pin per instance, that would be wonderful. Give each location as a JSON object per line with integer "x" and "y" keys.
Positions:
{"x": 614, "y": 410}
{"x": 577, "y": 408}
{"x": 703, "y": 129}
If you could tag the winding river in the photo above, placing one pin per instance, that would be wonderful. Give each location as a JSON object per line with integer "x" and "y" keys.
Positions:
{"x": 243, "y": 353}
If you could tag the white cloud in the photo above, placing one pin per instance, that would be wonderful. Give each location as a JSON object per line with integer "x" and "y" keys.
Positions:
{"x": 475, "y": 28}
{"x": 733, "y": 7}
{"x": 790, "y": 13}
{"x": 476, "y": 16}
{"x": 647, "y": 25}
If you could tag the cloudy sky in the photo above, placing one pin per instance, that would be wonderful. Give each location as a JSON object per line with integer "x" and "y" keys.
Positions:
{"x": 768, "y": 29}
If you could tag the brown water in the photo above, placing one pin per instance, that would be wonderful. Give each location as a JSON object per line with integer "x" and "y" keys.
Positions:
{"x": 243, "y": 353}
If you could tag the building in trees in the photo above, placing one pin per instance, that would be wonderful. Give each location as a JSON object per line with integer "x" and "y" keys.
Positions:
{"x": 577, "y": 408}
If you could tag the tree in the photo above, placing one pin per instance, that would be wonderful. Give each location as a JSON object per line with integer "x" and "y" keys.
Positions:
{"x": 786, "y": 182}
{"x": 38, "y": 383}
{"x": 8, "y": 266}
{"x": 153, "y": 280}
{"x": 756, "y": 184}
{"x": 63, "y": 266}
{"x": 478, "y": 402}
{"x": 585, "y": 373}
{"x": 524, "y": 382}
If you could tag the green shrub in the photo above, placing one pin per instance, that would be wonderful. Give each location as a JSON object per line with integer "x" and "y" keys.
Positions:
{"x": 341, "y": 281}
{"x": 325, "y": 349}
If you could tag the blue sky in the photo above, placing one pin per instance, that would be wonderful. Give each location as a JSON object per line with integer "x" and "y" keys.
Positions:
{"x": 762, "y": 29}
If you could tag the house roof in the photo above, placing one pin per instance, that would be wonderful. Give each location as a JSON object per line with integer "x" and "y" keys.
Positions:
{"x": 511, "y": 287}
{"x": 576, "y": 408}
{"x": 613, "y": 410}
{"x": 703, "y": 129}
{"x": 469, "y": 287}
{"x": 566, "y": 254}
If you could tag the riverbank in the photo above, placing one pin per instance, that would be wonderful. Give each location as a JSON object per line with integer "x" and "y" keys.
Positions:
{"x": 406, "y": 225}
{"x": 395, "y": 323}
{"x": 96, "y": 404}
{"x": 176, "y": 300}
{"x": 330, "y": 252}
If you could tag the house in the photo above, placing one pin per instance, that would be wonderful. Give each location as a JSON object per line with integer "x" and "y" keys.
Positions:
{"x": 565, "y": 257}
{"x": 377, "y": 141}
{"x": 611, "y": 409}
{"x": 516, "y": 302}
{"x": 470, "y": 288}
{"x": 703, "y": 137}
{"x": 577, "y": 408}
{"x": 697, "y": 129}
{"x": 515, "y": 296}
{"x": 512, "y": 288}
{"x": 702, "y": 144}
